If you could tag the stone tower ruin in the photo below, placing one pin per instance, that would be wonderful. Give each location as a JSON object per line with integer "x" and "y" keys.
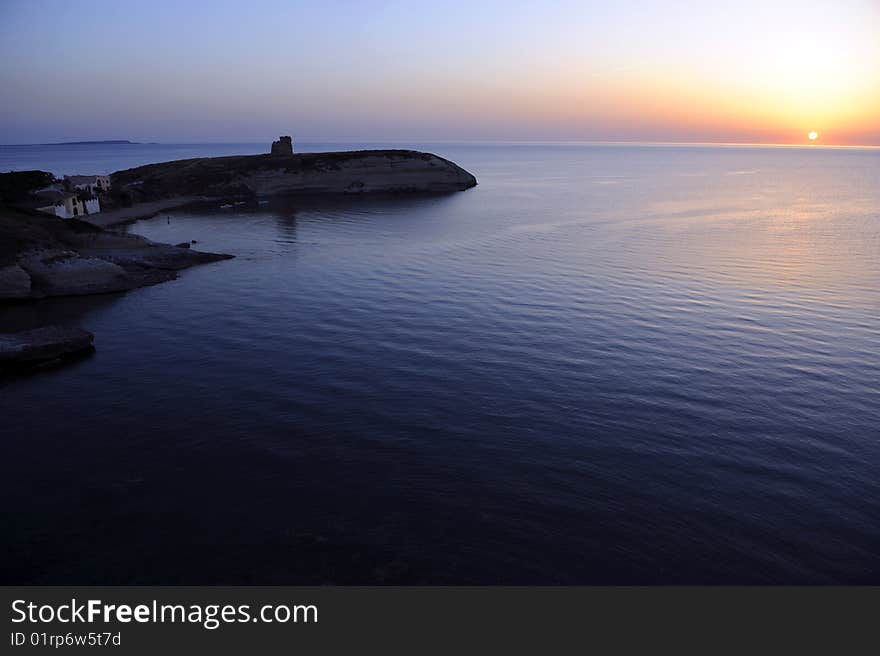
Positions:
{"x": 284, "y": 146}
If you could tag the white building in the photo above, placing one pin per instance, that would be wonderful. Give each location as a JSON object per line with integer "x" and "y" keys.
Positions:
{"x": 67, "y": 205}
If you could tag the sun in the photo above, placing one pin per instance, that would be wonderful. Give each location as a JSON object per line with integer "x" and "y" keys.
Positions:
{"x": 813, "y": 136}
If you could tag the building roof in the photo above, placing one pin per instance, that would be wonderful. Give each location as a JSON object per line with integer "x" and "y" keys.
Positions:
{"x": 83, "y": 179}
{"x": 53, "y": 196}
{"x": 43, "y": 198}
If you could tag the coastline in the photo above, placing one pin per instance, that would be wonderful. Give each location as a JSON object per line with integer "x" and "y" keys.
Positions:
{"x": 46, "y": 256}
{"x": 43, "y": 256}
{"x": 156, "y": 188}
{"x": 335, "y": 323}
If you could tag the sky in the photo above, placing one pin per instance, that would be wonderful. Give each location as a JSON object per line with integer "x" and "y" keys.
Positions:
{"x": 750, "y": 71}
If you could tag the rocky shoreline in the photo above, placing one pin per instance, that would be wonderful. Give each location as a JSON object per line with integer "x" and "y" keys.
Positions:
{"x": 43, "y": 256}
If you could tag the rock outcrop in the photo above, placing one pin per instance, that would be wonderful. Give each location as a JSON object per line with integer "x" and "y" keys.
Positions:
{"x": 388, "y": 171}
{"x": 42, "y": 347}
{"x": 42, "y": 256}
{"x": 14, "y": 282}
{"x": 67, "y": 273}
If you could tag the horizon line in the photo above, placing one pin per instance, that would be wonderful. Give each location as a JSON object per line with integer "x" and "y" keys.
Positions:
{"x": 525, "y": 142}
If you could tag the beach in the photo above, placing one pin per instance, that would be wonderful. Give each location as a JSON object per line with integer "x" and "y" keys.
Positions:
{"x": 144, "y": 210}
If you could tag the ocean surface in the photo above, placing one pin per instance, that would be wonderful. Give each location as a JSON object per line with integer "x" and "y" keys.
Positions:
{"x": 604, "y": 364}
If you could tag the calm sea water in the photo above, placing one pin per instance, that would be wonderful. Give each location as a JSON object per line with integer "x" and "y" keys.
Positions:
{"x": 602, "y": 365}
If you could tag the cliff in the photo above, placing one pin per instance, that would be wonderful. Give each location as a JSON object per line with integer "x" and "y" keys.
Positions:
{"x": 389, "y": 171}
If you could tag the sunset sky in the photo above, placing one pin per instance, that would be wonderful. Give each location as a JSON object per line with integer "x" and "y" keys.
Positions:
{"x": 750, "y": 71}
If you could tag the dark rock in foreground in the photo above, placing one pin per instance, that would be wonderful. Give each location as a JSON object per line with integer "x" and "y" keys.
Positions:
{"x": 354, "y": 172}
{"x": 42, "y": 347}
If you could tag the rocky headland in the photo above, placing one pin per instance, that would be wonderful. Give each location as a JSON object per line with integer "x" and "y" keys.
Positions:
{"x": 284, "y": 173}
{"x": 44, "y": 256}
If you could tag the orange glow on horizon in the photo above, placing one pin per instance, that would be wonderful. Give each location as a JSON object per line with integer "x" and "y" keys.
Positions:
{"x": 777, "y": 86}
{"x": 708, "y": 72}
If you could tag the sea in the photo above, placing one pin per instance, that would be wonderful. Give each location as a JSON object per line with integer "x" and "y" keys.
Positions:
{"x": 605, "y": 364}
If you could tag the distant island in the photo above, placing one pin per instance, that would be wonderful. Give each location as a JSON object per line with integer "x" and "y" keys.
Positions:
{"x": 108, "y": 142}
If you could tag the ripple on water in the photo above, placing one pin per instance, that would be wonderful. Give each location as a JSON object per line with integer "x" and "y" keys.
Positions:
{"x": 615, "y": 371}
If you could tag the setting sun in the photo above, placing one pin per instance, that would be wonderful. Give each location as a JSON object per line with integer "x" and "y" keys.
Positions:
{"x": 813, "y": 136}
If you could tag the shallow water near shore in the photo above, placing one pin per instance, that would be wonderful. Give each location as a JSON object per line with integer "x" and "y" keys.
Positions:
{"x": 604, "y": 364}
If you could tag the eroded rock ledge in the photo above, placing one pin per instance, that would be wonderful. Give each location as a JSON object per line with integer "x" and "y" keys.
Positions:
{"x": 42, "y": 347}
